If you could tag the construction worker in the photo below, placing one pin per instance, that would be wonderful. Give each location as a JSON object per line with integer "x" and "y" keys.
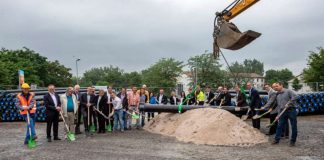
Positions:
{"x": 26, "y": 103}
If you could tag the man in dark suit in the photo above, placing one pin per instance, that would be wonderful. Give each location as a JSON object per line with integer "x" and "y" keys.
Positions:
{"x": 78, "y": 96}
{"x": 227, "y": 98}
{"x": 101, "y": 105}
{"x": 162, "y": 99}
{"x": 52, "y": 104}
{"x": 210, "y": 96}
{"x": 255, "y": 103}
{"x": 87, "y": 101}
{"x": 220, "y": 96}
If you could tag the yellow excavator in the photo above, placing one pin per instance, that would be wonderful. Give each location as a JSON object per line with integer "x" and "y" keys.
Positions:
{"x": 226, "y": 34}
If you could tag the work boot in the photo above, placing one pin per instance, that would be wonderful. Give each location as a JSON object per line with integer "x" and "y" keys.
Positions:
{"x": 274, "y": 142}
{"x": 77, "y": 131}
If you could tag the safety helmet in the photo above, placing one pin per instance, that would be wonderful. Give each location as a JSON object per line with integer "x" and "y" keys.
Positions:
{"x": 25, "y": 86}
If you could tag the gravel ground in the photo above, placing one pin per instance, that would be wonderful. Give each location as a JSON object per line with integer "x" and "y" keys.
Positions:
{"x": 140, "y": 144}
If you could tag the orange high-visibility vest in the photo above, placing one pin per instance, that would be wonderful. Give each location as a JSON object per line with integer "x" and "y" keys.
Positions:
{"x": 24, "y": 102}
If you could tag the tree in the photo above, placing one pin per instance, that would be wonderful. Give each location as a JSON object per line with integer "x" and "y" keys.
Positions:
{"x": 208, "y": 70}
{"x": 38, "y": 69}
{"x": 163, "y": 73}
{"x": 253, "y": 66}
{"x": 314, "y": 71}
{"x": 283, "y": 75}
{"x": 132, "y": 79}
{"x": 103, "y": 76}
{"x": 296, "y": 86}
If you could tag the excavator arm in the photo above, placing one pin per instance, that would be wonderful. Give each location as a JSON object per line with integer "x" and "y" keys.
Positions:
{"x": 239, "y": 7}
{"x": 226, "y": 34}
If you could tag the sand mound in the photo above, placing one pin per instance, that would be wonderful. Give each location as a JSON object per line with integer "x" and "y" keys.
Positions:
{"x": 206, "y": 126}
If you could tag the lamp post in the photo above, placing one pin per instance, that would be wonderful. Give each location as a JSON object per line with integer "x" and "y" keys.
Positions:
{"x": 77, "y": 71}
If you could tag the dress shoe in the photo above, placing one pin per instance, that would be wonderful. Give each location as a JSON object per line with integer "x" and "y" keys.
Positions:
{"x": 49, "y": 140}
{"x": 57, "y": 139}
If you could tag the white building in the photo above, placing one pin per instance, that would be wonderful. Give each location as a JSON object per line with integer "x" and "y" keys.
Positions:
{"x": 256, "y": 79}
{"x": 183, "y": 82}
{"x": 305, "y": 87}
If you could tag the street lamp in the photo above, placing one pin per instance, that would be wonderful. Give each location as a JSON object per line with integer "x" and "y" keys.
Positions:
{"x": 77, "y": 72}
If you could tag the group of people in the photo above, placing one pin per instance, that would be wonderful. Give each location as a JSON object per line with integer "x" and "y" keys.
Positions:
{"x": 112, "y": 109}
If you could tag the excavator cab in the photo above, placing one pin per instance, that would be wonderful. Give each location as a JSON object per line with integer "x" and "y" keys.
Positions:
{"x": 228, "y": 36}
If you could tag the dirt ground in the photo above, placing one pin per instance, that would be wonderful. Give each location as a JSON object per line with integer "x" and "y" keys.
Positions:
{"x": 140, "y": 144}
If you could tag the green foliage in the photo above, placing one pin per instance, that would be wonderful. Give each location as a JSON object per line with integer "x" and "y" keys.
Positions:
{"x": 296, "y": 86}
{"x": 163, "y": 73}
{"x": 248, "y": 66}
{"x": 315, "y": 70}
{"x": 239, "y": 70}
{"x": 38, "y": 69}
{"x": 111, "y": 75}
{"x": 208, "y": 70}
{"x": 253, "y": 66}
{"x": 283, "y": 75}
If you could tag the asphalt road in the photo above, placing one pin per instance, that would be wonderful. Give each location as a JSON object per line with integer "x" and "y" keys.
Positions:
{"x": 140, "y": 144}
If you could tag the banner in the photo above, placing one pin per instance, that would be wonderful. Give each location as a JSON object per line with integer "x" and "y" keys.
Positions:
{"x": 21, "y": 75}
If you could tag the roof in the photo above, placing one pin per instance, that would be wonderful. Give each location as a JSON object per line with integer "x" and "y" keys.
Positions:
{"x": 187, "y": 73}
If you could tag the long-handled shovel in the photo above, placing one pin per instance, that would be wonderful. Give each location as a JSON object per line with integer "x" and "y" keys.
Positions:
{"x": 109, "y": 127}
{"x": 102, "y": 113}
{"x": 31, "y": 142}
{"x": 92, "y": 127}
{"x": 135, "y": 115}
{"x": 259, "y": 116}
{"x": 69, "y": 134}
{"x": 283, "y": 111}
{"x": 245, "y": 117}
{"x": 220, "y": 104}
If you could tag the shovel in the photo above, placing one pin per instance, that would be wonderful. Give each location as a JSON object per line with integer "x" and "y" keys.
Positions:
{"x": 268, "y": 126}
{"x": 245, "y": 117}
{"x": 259, "y": 116}
{"x": 69, "y": 134}
{"x": 134, "y": 115}
{"x": 102, "y": 113}
{"x": 31, "y": 141}
{"x": 92, "y": 127}
{"x": 109, "y": 127}
{"x": 220, "y": 104}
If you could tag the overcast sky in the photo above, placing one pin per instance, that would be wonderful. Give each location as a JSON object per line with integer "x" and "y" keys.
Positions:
{"x": 134, "y": 34}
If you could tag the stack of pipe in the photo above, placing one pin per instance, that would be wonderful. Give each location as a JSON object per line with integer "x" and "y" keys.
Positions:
{"x": 9, "y": 112}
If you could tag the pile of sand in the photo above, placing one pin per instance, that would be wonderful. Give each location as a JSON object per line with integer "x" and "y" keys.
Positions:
{"x": 206, "y": 126}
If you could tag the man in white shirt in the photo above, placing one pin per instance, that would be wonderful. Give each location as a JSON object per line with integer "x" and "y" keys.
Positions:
{"x": 118, "y": 112}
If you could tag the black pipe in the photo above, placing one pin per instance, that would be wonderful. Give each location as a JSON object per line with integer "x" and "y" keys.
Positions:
{"x": 174, "y": 108}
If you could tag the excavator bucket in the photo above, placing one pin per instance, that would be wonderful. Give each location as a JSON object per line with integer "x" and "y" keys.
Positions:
{"x": 230, "y": 37}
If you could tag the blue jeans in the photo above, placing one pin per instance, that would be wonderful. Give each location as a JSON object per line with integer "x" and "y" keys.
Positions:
{"x": 290, "y": 114}
{"x": 118, "y": 117}
{"x": 32, "y": 119}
